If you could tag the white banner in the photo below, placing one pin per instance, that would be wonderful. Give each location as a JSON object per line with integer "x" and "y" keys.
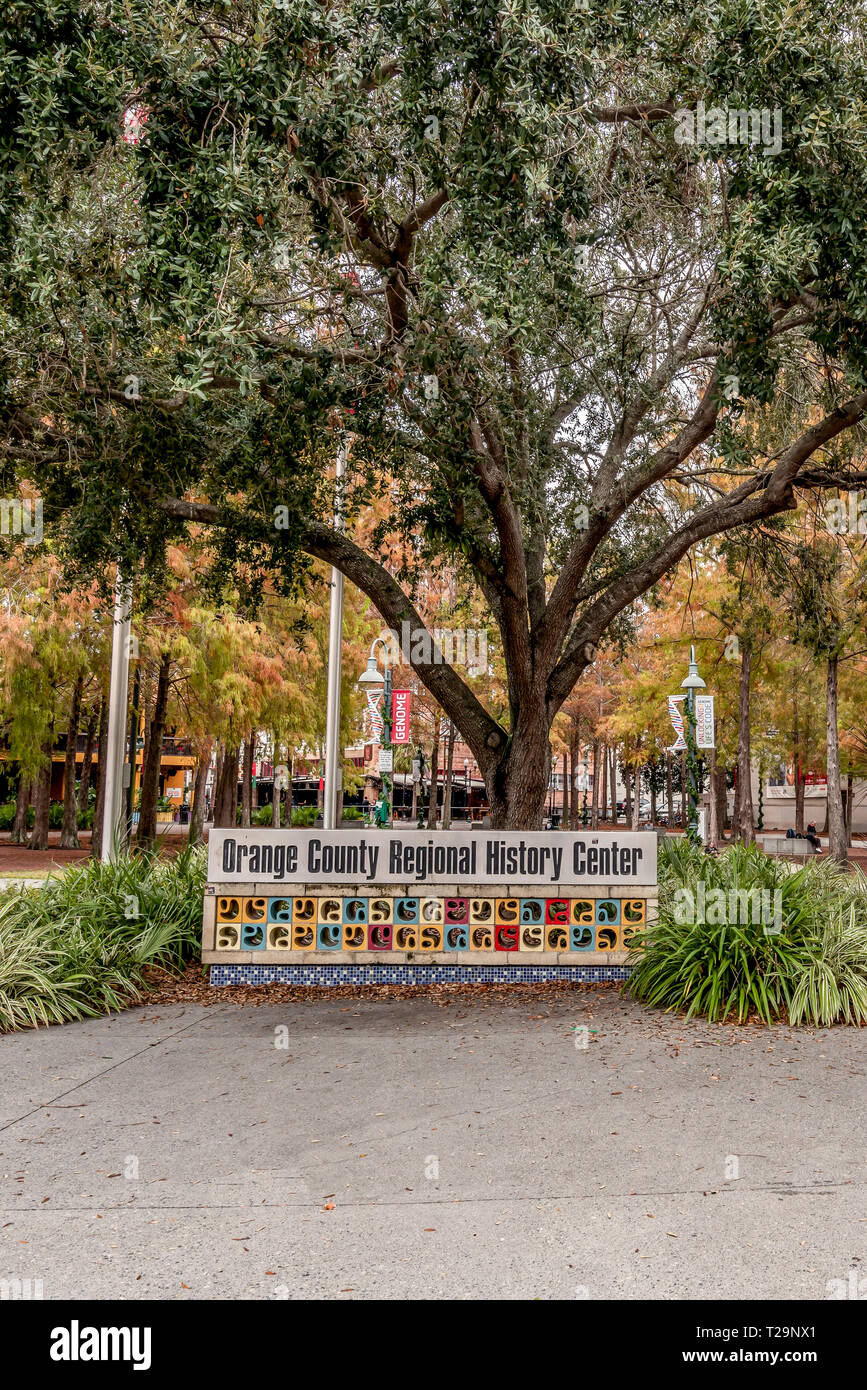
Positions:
{"x": 489, "y": 856}
{"x": 704, "y": 724}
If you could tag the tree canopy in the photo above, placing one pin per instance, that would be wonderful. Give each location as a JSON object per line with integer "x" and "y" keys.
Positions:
{"x": 578, "y": 308}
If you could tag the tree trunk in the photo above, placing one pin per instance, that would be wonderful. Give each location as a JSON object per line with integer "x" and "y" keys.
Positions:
{"x": 218, "y": 777}
{"x": 712, "y": 802}
{"x": 594, "y": 806}
{"x": 836, "y": 826}
{"x": 636, "y": 795}
{"x": 653, "y": 793}
{"x": 612, "y": 781}
{"x": 41, "y": 802}
{"x": 434, "y": 777}
{"x": 99, "y": 803}
{"x": 743, "y": 826}
{"x": 627, "y": 793}
{"x": 669, "y": 789}
{"x": 275, "y": 795}
{"x": 603, "y": 795}
{"x": 150, "y": 777}
{"x": 69, "y": 828}
{"x": 200, "y": 782}
{"x": 247, "y": 780}
{"x": 87, "y": 764}
{"x": 849, "y": 793}
{"x": 22, "y": 806}
{"x": 226, "y": 793}
{"x": 684, "y": 807}
{"x": 574, "y": 758}
{"x": 566, "y": 820}
{"x": 722, "y": 801}
{"x": 447, "y": 791}
{"x": 518, "y": 784}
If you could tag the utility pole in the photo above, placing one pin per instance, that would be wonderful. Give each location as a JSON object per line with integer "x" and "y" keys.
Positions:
{"x": 113, "y": 832}
{"x": 333, "y": 759}
{"x": 692, "y": 683}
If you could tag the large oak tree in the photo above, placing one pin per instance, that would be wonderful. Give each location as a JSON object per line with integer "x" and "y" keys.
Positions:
{"x": 570, "y": 343}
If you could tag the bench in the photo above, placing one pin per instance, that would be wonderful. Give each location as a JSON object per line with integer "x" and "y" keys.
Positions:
{"x": 781, "y": 844}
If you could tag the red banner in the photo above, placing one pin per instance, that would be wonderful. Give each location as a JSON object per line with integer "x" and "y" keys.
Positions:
{"x": 400, "y": 707}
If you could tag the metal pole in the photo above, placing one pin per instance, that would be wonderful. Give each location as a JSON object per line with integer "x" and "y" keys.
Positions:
{"x": 333, "y": 761}
{"x": 387, "y": 781}
{"x": 113, "y": 834}
{"x": 691, "y": 765}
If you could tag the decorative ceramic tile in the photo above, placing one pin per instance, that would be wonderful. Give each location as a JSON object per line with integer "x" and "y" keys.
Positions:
{"x": 479, "y": 925}
{"x": 325, "y": 975}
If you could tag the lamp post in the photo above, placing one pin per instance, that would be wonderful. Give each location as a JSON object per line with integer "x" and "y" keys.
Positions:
{"x": 372, "y": 676}
{"x": 113, "y": 828}
{"x": 586, "y": 784}
{"x": 691, "y": 684}
{"x": 333, "y": 778}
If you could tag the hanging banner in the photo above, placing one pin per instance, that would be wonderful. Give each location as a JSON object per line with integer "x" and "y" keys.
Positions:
{"x": 676, "y": 716}
{"x": 374, "y": 713}
{"x": 400, "y": 709}
{"x": 704, "y": 726}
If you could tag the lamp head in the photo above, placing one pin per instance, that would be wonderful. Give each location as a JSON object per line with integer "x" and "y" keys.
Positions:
{"x": 693, "y": 680}
{"x": 373, "y": 675}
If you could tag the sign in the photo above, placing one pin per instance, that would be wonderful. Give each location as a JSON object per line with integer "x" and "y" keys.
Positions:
{"x": 704, "y": 729}
{"x": 400, "y": 710}
{"x": 675, "y": 714}
{"x": 281, "y": 777}
{"x": 386, "y": 760}
{"x": 533, "y": 858}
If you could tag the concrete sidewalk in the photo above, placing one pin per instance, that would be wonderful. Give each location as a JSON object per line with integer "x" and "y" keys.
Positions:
{"x": 407, "y": 1149}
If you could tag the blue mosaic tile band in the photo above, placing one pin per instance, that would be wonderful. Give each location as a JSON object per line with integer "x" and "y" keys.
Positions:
{"x": 412, "y": 974}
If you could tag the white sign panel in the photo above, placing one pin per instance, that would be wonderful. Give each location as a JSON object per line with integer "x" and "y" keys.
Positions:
{"x": 704, "y": 730}
{"x": 535, "y": 858}
{"x": 386, "y": 760}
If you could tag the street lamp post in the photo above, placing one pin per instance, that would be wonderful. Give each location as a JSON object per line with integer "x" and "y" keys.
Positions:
{"x": 113, "y": 828}
{"x": 691, "y": 684}
{"x": 374, "y": 677}
{"x": 332, "y": 791}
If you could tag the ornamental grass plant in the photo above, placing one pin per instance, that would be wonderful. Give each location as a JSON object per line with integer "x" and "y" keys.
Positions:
{"x": 805, "y": 961}
{"x": 78, "y": 946}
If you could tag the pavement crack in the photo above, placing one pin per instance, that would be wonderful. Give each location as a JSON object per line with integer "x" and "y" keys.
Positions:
{"x": 158, "y": 1042}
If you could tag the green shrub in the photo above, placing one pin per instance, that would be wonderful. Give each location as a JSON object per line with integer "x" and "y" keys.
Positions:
{"x": 813, "y": 969}
{"x": 55, "y": 816}
{"x": 304, "y": 816}
{"x": 78, "y": 946}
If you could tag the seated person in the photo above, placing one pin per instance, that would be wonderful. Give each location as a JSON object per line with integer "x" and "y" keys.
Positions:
{"x": 814, "y": 838}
